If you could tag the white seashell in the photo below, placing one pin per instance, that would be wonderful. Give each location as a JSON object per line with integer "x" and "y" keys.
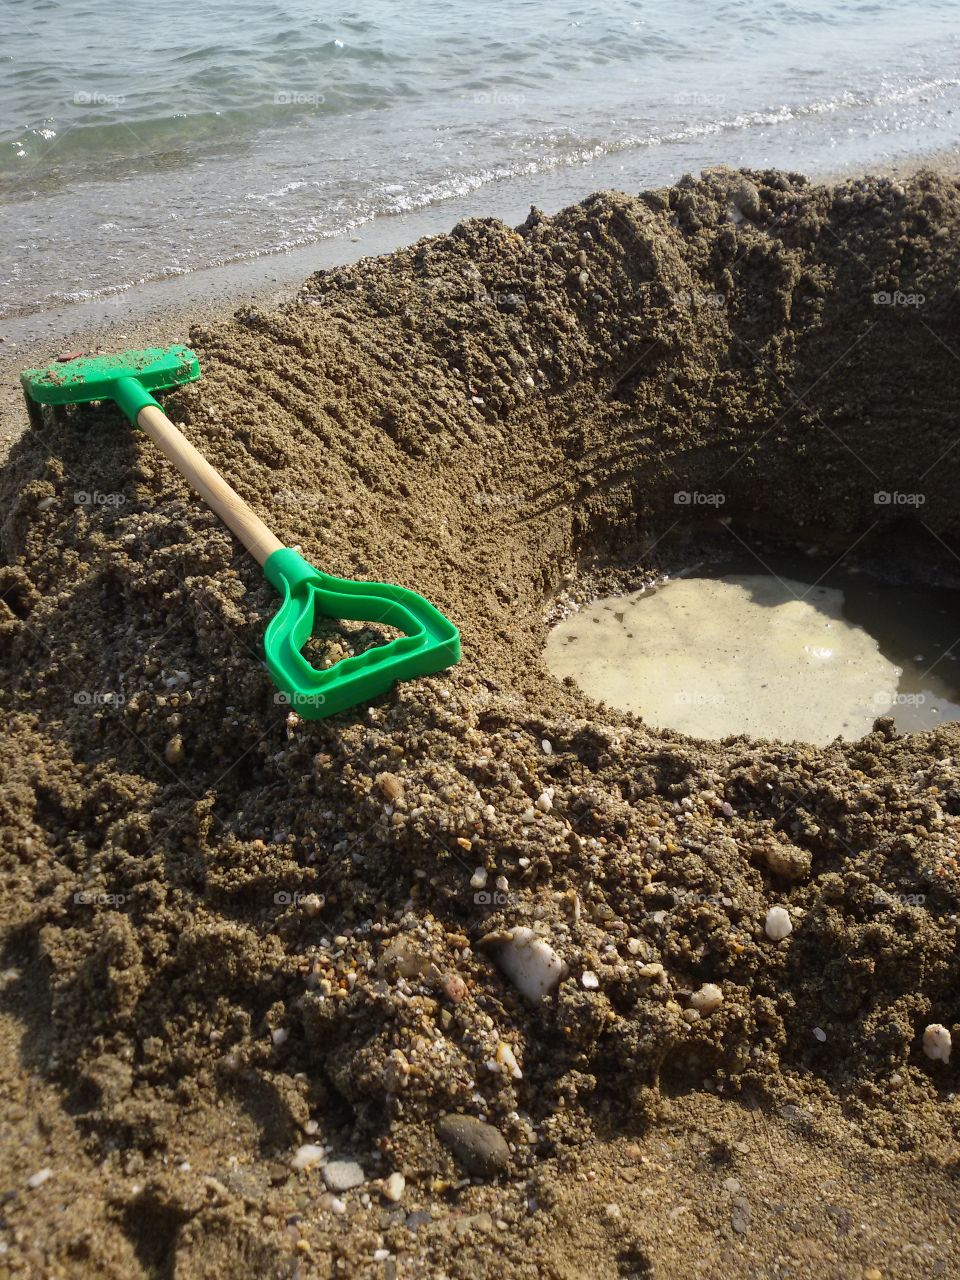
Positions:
{"x": 393, "y": 1187}
{"x": 307, "y": 1156}
{"x": 528, "y": 961}
{"x": 708, "y": 999}
{"x": 507, "y": 1062}
{"x": 778, "y": 924}
{"x": 937, "y": 1042}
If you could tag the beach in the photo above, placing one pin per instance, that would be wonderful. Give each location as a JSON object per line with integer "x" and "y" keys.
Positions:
{"x": 485, "y": 977}
{"x": 256, "y": 963}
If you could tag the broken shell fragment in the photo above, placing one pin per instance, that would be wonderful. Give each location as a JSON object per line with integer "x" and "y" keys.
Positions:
{"x": 937, "y": 1042}
{"x": 528, "y": 961}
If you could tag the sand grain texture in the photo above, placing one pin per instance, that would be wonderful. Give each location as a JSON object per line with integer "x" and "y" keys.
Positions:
{"x": 476, "y": 417}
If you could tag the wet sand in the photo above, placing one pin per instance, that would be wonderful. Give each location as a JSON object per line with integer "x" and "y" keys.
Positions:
{"x": 230, "y": 934}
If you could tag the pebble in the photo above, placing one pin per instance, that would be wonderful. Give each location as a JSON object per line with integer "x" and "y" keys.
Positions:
{"x": 39, "y": 1178}
{"x": 342, "y": 1175}
{"x": 506, "y": 1061}
{"x": 937, "y": 1042}
{"x": 787, "y": 860}
{"x": 740, "y": 1215}
{"x": 394, "y": 1187}
{"x": 528, "y": 961}
{"x": 307, "y": 1156}
{"x": 546, "y": 746}
{"x": 707, "y": 999}
{"x": 778, "y": 924}
{"x": 479, "y": 878}
{"x": 476, "y": 1145}
{"x": 391, "y": 788}
{"x": 453, "y": 987}
{"x": 173, "y": 751}
{"x": 333, "y": 1203}
{"x": 589, "y": 980}
{"x": 819, "y": 1034}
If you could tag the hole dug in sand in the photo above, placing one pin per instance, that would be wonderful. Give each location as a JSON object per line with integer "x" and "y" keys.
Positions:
{"x": 753, "y": 649}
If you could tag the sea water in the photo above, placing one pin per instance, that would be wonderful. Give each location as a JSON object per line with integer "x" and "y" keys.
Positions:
{"x": 144, "y": 142}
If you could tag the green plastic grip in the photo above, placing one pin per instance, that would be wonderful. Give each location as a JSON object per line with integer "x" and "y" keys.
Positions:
{"x": 431, "y": 642}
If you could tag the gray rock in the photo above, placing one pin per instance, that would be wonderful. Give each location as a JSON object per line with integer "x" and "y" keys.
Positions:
{"x": 341, "y": 1175}
{"x": 746, "y": 197}
{"x": 476, "y": 1145}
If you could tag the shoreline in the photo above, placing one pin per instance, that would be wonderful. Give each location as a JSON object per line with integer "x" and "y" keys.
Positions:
{"x": 162, "y": 311}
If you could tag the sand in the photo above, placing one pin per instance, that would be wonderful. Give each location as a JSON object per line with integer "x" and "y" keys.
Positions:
{"x": 229, "y": 932}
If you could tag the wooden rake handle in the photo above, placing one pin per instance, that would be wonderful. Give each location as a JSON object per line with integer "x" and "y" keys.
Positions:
{"x": 209, "y": 483}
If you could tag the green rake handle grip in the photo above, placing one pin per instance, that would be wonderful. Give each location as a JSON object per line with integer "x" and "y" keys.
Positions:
{"x": 431, "y": 642}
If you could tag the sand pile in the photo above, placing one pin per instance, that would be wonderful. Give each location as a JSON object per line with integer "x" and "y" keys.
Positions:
{"x": 230, "y": 932}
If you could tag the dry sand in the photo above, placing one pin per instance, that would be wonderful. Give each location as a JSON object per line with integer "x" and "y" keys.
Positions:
{"x": 230, "y": 933}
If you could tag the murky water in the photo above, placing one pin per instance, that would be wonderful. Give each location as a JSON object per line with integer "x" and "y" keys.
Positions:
{"x": 769, "y": 655}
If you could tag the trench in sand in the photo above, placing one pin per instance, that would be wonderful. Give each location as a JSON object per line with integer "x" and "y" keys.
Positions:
{"x": 770, "y": 644}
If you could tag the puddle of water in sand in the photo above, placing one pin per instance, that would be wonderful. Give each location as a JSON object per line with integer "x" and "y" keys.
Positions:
{"x": 769, "y": 656}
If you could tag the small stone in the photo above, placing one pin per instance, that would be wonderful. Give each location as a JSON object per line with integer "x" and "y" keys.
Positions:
{"x": 476, "y": 1145}
{"x": 937, "y": 1042}
{"x": 740, "y": 1215}
{"x": 307, "y": 1156}
{"x": 546, "y": 747}
{"x": 39, "y": 1178}
{"x": 872, "y": 1273}
{"x": 453, "y": 987}
{"x": 819, "y": 1034}
{"x": 173, "y": 751}
{"x": 528, "y": 961}
{"x": 787, "y": 860}
{"x": 394, "y": 1187}
{"x": 589, "y": 980}
{"x": 778, "y": 924}
{"x": 479, "y": 878}
{"x": 708, "y": 999}
{"x": 342, "y": 1175}
{"x": 391, "y": 788}
{"x": 544, "y": 801}
{"x": 333, "y": 1203}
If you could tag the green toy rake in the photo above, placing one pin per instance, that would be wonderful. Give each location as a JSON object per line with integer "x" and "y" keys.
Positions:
{"x": 430, "y": 643}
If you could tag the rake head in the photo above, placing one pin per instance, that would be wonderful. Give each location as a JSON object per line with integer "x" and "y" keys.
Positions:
{"x": 107, "y": 377}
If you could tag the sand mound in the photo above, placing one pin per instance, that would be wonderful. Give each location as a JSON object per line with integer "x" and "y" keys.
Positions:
{"x": 223, "y": 923}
